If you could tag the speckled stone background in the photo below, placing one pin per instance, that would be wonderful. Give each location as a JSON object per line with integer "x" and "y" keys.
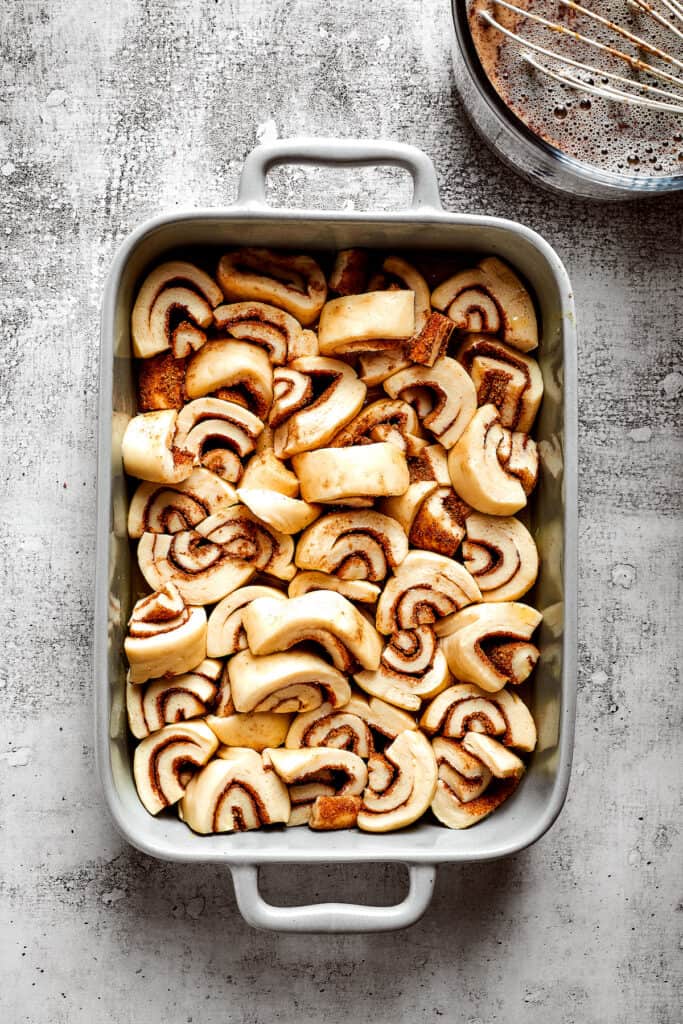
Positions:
{"x": 111, "y": 111}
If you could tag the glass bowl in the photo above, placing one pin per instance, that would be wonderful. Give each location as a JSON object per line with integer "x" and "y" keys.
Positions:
{"x": 526, "y": 152}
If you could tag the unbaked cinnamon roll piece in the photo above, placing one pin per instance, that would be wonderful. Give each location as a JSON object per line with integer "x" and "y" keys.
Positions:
{"x": 265, "y": 471}
{"x": 413, "y": 668}
{"x": 350, "y": 272}
{"x": 462, "y": 772}
{"x": 161, "y": 383}
{"x": 255, "y": 730}
{"x": 501, "y": 762}
{"x": 314, "y": 398}
{"x": 343, "y": 728}
{"x": 234, "y": 793}
{"x": 474, "y": 639}
{"x": 504, "y": 377}
{"x": 466, "y": 791}
{"x": 151, "y": 450}
{"x": 401, "y": 784}
{"x": 443, "y": 395}
{"x": 202, "y": 571}
{"x": 370, "y": 322}
{"x": 409, "y": 277}
{"x": 432, "y": 341}
{"x": 288, "y": 515}
{"x": 168, "y": 508}
{"x": 321, "y": 773}
{"x": 166, "y": 701}
{"x": 320, "y": 616}
{"x": 219, "y": 435}
{"x": 293, "y": 283}
{"x": 285, "y": 682}
{"x": 335, "y": 475}
{"x": 375, "y": 367}
{"x": 225, "y": 634}
{"x": 165, "y": 636}
{"x": 431, "y": 463}
{"x": 257, "y": 322}
{"x": 434, "y": 517}
{"x": 354, "y": 590}
{"x": 426, "y": 587}
{"x": 334, "y": 812}
{"x": 466, "y": 708}
{"x": 162, "y": 761}
{"x": 492, "y": 299}
{"x": 175, "y": 291}
{"x": 246, "y": 538}
{"x": 385, "y": 420}
{"x": 243, "y": 369}
{"x": 501, "y": 555}
{"x": 356, "y": 545}
{"x": 486, "y": 471}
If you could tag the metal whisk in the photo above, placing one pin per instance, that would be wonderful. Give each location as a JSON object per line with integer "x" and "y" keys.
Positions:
{"x": 581, "y": 76}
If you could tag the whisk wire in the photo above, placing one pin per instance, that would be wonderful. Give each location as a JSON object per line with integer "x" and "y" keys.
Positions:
{"x": 672, "y": 102}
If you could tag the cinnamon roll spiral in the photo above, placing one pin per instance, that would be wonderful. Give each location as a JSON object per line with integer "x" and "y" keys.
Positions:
{"x": 466, "y": 791}
{"x": 343, "y": 728}
{"x": 168, "y": 508}
{"x": 218, "y": 434}
{"x": 356, "y": 545}
{"x": 505, "y": 378}
{"x": 401, "y": 784}
{"x": 425, "y": 588}
{"x": 293, "y": 283}
{"x": 257, "y": 322}
{"x": 314, "y": 398}
{"x": 285, "y": 682}
{"x": 482, "y": 643}
{"x": 165, "y": 636}
{"x": 162, "y": 760}
{"x": 167, "y": 701}
{"x": 490, "y": 298}
{"x": 466, "y": 708}
{"x": 203, "y": 571}
{"x": 172, "y": 291}
{"x": 492, "y": 469}
{"x": 234, "y": 793}
{"x": 385, "y": 420}
{"x": 413, "y": 667}
{"x": 501, "y": 555}
{"x": 443, "y": 395}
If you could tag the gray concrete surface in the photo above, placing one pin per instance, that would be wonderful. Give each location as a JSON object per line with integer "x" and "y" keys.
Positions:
{"x": 111, "y": 111}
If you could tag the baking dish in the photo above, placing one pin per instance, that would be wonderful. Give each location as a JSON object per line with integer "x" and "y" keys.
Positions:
{"x": 526, "y": 816}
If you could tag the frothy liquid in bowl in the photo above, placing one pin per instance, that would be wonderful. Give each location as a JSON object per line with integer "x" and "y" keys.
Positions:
{"x": 614, "y": 136}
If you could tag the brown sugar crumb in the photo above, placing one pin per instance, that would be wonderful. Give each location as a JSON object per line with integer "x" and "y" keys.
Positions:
{"x": 161, "y": 383}
{"x": 330, "y": 812}
{"x": 431, "y": 342}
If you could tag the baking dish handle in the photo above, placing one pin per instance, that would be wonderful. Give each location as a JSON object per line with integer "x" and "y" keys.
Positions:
{"x": 336, "y": 153}
{"x": 333, "y": 917}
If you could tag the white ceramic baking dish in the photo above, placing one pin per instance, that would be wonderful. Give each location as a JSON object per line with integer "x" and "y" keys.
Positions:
{"x": 250, "y": 221}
